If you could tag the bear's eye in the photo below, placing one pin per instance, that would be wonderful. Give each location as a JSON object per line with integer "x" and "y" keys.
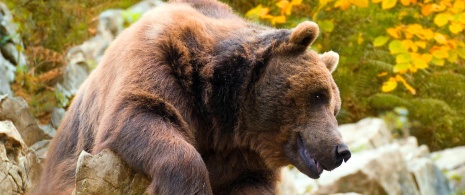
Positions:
{"x": 319, "y": 98}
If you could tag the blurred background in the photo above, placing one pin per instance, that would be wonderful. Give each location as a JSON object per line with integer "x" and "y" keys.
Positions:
{"x": 402, "y": 61}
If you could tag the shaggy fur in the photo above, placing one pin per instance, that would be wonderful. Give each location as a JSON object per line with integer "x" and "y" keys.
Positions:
{"x": 201, "y": 102}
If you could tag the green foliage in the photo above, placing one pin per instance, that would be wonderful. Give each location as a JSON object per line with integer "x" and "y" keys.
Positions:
{"x": 432, "y": 95}
{"x": 58, "y": 25}
{"x": 48, "y": 29}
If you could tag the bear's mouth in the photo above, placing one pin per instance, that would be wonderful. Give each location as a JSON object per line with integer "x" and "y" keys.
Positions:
{"x": 315, "y": 167}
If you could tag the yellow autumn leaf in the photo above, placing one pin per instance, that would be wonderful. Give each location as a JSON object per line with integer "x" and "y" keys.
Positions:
{"x": 360, "y": 3}
{"x": 437, "y": 61}
{"x": 427, "y": 57}
{"x": 403, "y": 58}
{"x": 278, "y": 19}
{"x": 389, "y": 85}
{"x": 401, "y": 68}
{"x": 440, "y": 54}
{"x": 360, "y": 38}
{"x": 257, "y": 12}
{"x": 342, "y": 4}
{"x": 420, "y": 64}
{"x": 380, "y": 41}
{"x": 393, "y": 32}
{"x": 405, "y": 2}
{"x": 442, "y": 19}
{"x": 461, "y": 52}
{"x": 440, "y": 38}
{"x": 296, "y": 2}
{"x": 453, "y": 55}
{"x": 408, "y": 44}
{"x": 456, "y": 27}
{"x": 376, "y": 1}
{"x": 426, "y": 9}
{"x": 286, "y": 7}
{"x": 388, "y": 4}
{"x": 421, "y": 44}
{"x": 414, "y": 28}
{"x": 382, "y": 74}
{"x": 404, "y": 82}
{"x": 426, "y": 34}
{"x": 459, "y": 6}
{"x": 324, "y": 2}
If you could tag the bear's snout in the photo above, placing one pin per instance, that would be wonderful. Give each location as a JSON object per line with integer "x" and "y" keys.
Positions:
{"x": 342, "y": 154}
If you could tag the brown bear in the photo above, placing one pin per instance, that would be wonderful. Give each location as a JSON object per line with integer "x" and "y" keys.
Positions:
{"x": 202, "y": 101}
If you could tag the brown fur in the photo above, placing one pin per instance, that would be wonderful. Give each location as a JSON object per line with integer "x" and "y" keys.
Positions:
{"x": 201, "y": 102}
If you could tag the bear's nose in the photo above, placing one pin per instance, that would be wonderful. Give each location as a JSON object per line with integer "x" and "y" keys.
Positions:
{"x": 342, "y": 152}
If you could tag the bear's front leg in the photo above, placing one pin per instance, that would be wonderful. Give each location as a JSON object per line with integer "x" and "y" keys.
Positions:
{"x": 153, "y": 144}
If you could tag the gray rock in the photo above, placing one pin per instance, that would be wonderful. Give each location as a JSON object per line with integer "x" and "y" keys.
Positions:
{"x": 144, "y": 6}
{"x": 7, "y": 26}
{"x": 17, "y": 110}
{"x": 105, "y": 173}
{"x": 19, "y": 170}
{"x": 452, "y": 162}
{"x": 378, "y": 171}
{"x": 429, "y": 179}
{"x": 57, "y": 116}
{"x": 366, "y": 134}
{"x": 11, "y": 53}
{"x": 7, "y": 75}
{"x": 73, "y": 76}
{"x": 450, "y": 159}
{"x": 111, "y": 23}
{"x": 40, "y": 149}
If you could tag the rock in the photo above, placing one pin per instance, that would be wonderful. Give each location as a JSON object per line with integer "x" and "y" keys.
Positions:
{"x": 17, "y": 110}
{"x": 452, "y": 162}
{"x": 7, "y": 75}
{"x": 57, "y": 116}
{"x": 19, "y": 170}
{"x": 450, "y": 159}
{"x": 11, "y": 53}
{"x": 378, "y": 171}
{"x": 366, "y": 134}
{"x": 105, "y": 173}
{"x": 428, "y": 177}
{"x": 111, "y": 23}
{"x": 144, "y": 6}
{"x": 294, "y": 182}
{"x": 7, "y": 26}
{"x": 410, "y": 150}
{"x": 73, "y": 76}
{"x": 40, "y": 148}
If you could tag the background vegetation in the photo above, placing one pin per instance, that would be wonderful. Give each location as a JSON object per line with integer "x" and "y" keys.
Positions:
{"x": 48, "y": 29}
{"x": 401, "y": 60}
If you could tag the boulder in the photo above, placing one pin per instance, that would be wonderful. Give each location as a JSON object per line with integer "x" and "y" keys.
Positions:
{"x": 366, "y": 134}
{"x": 379, "y": 171}
{"x": 450, "y": 159}
{"x": 17, "y": 110}
{"x": 10, "y": 54}
{"x": 19, "y": 170}
{"x": 106, "y": 173}
{"x": 40, "y": 148}
{"x": 7, "y": 75}
{"x": 452, "y": 162}
{"x": 428, "y": 178}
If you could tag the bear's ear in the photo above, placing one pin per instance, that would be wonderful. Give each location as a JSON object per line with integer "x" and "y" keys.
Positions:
{"x": 331, "y": 59}
{"x": 304, "y": 34}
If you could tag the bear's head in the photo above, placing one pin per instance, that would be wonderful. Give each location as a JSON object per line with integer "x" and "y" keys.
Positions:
{"x": 292, "y": 107}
